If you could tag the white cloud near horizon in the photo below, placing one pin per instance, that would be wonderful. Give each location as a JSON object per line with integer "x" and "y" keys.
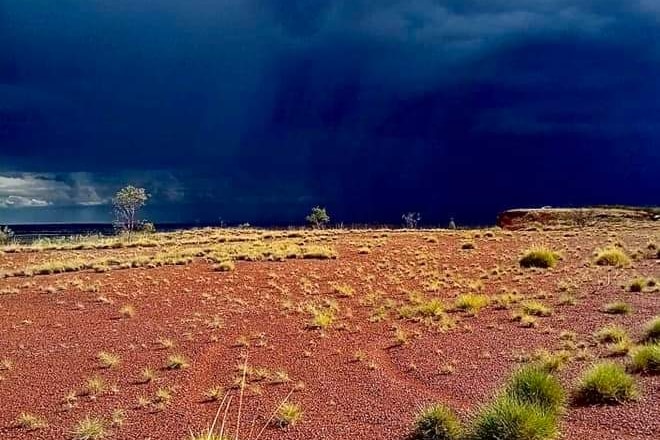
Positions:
{"x": 30, "y": 190}
{"x": 82, "y": 189}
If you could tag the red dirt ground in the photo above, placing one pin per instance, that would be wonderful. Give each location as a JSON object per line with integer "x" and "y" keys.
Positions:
{"x": 53, "y": 336}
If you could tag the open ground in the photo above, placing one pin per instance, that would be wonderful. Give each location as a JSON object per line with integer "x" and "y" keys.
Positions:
{"x": 357, "y": 328}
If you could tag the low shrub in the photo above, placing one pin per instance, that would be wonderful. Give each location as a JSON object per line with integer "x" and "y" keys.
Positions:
{"x": 322, "y": 318}
{"x": 646, "y": 359}
{"x": 6, "y": 235}
{"x": 611, "y": 334}
{"x": 551, "y": 362}
{"x": 535, "y": 308}
{"x": 637, "y": 285}
{"x": 177, "y": 362}
{"x": 288, "y": 414}
{"x": 539, "y": 257}
{"x": 534, "y": 385}
{"x": 612, "y": 256}
{"x": 617, "y": 308}
{"x": 30, "y": 422}
{"x": 652, "y": 330}
{"x": 436, "y": 422}
{"x": 606, "y": 382}
{"x": 206, "y": 435}
{"x": 471, "y": 302}
{"x": 89, "y": 428}
{"x": 224, "y": 266}
{"x": 510, "y": 419}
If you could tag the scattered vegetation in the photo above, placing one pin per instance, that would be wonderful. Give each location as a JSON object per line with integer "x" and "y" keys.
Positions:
{"x": 379, "y": 292}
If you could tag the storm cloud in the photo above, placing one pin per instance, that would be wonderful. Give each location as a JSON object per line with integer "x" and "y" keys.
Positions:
{"x": 254, "y": 110}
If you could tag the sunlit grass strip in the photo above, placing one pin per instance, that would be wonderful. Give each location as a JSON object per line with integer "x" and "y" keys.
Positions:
{"x": 253, "y": 251}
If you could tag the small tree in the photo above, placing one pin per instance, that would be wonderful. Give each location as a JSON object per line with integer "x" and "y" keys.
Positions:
{"x": 6, "y": 235}
{"x": 127, "y": 202}
{"x": 411, "y": 219}
{"x": 318, "y": 218}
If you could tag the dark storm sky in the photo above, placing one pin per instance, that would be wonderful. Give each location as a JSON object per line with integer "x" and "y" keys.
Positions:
{"x": 255, "y": 110}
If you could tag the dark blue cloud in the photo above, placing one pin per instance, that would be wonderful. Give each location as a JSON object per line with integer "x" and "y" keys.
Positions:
{"x": 252, "y": 109}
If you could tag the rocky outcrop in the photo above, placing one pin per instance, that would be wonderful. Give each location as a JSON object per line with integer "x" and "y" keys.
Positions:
{"x": 571, "y": 217}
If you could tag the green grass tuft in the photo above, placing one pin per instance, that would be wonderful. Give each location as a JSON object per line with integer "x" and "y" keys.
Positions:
{"x": 612, "y": 256}
{"x": 224, "y": 266}
{"x": 30, "y": 422}
{"x": 606, "y": 382}
{"x": 536, "y": 308}
{"x": 652, "y": 330}
{"x": 536, "y": 386}
{"x": 89, "y": 428}
{"x": 539, "y": 257}
{"x": 611, "y": 334}
{"x": 637, "y": 285}
{"x": 510, "y": 419}
{"x": 436, "y": 422}
{"x": 617, "y": 308}
{"x": 177, "y": 362}
{"x": 471, "y": 302}
{"x": 288, "y": 414}
{"x": 646, "y": 359}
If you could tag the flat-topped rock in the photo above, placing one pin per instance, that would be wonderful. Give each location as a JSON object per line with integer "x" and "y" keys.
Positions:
{"x": 548, "y": 216}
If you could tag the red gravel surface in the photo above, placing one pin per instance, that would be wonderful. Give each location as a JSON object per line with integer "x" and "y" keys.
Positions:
{"x": 352, "y": 380}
